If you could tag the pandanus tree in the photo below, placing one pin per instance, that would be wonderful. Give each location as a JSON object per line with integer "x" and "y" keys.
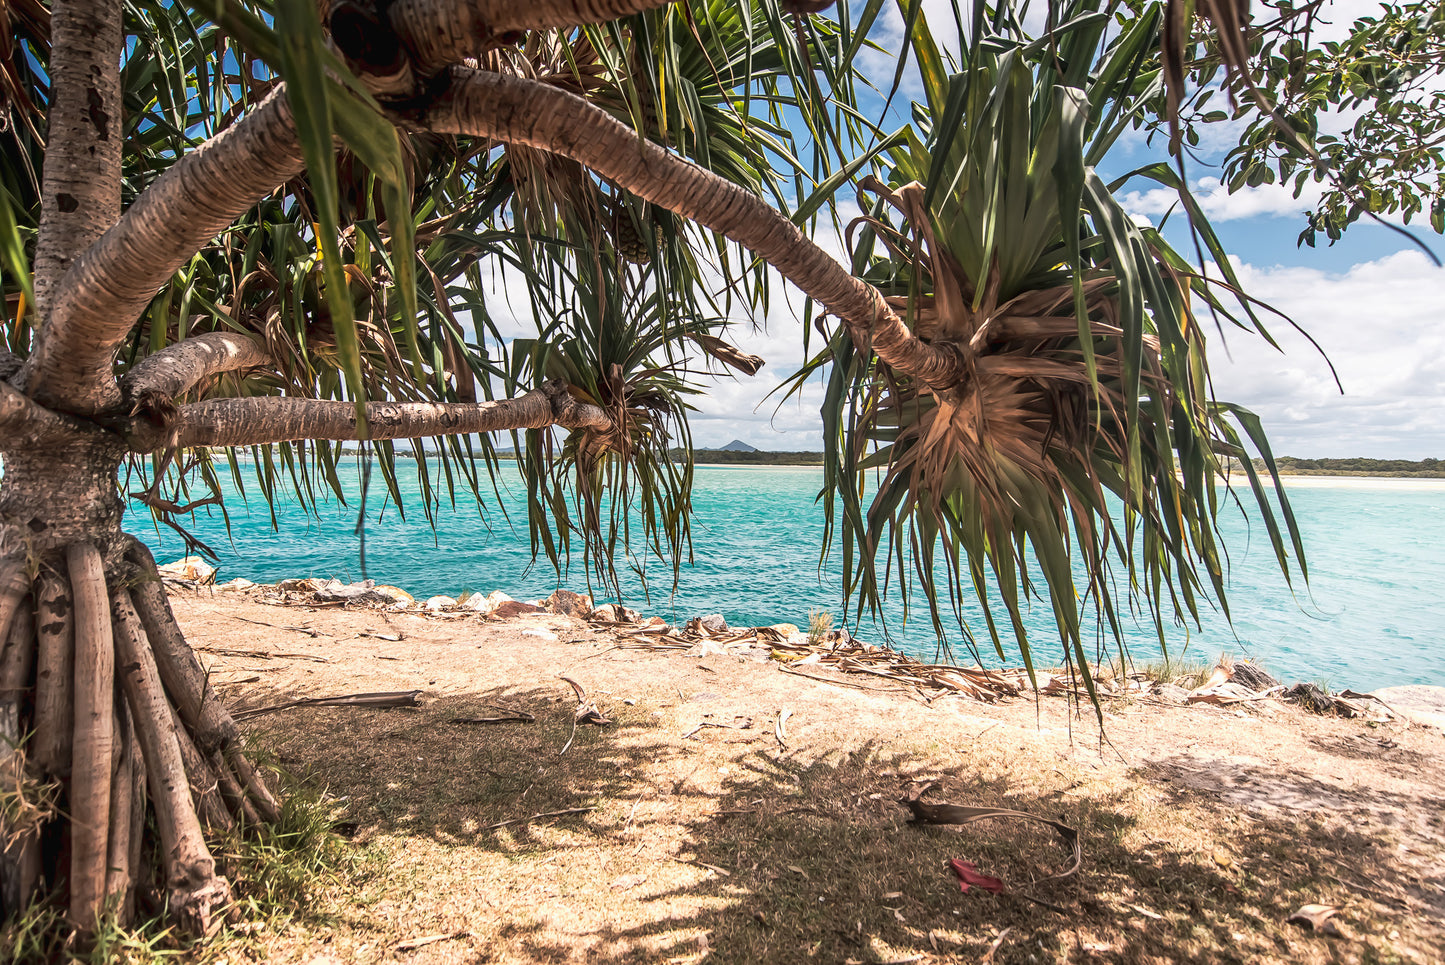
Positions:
{"x": 192, "y": 267}
{"x": 1068, "y": 430}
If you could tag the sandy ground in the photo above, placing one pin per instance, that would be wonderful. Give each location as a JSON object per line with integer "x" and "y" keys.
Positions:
{"x": 1203, "y": 828}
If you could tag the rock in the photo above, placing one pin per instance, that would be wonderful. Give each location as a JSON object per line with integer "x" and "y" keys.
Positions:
{"x": 1172, "y": 693}
{"x": 1246, "y": 673}
{"x": 714, "y": 623}
{"x": 615, "y": 613}
{"x": 513, "y": 608}
{"x": 397, "y": 594}
{"x": 539, "y": 634}
{"x": 1419, "y": 703}
{"x": 297, "y": 586}
{"x": 486, "y": 605}
{"x": 569, "y": 604}
{"x": 437, "y": 603}
{"x": 237, "y": 584}
{"x": 190, "y": 569}
{"x": 707, "y": 649}
{"x": 334, "y": 591}
{"x": 786, "y": 630}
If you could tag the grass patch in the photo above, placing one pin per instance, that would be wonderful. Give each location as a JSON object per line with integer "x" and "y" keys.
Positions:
{"x": 297, "y": 871}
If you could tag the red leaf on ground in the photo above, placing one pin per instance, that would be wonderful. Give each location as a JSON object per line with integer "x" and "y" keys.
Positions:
{"x": 969, "y": 875}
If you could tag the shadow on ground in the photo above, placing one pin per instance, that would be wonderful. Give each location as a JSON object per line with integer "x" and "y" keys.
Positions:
{"x": 731, "y": 848}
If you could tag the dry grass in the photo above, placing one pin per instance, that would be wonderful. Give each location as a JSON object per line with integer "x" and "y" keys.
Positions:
{"x": 729, "y": 847}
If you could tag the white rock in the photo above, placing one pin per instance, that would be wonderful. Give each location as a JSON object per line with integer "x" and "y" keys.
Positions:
{"x": 237, "y": 584}
{"x": 192, "y": 569}
{"x": 546, "y": 635}
{"x": 436, "y": 603}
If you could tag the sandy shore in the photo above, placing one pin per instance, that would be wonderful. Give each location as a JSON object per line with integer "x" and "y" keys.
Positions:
{"x": 732, "y": 812}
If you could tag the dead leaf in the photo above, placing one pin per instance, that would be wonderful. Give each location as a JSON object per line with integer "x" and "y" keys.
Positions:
{"x": 988, "y": 957}
{"x": 1319, "y": 918}
{"x": 799, "y": 871}
{"x": 780, "y": 727}
{"x": 970, "y": 875}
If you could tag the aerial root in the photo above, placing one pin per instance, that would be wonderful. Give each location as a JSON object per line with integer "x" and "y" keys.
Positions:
{"x": 106, "y": 718}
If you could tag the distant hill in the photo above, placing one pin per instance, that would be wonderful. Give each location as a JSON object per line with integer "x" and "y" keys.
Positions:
{"x": 749, "y": 457}
{"x": 737, "y": 445}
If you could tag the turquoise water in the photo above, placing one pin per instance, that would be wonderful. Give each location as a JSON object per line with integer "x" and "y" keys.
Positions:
{"x": 1370, "y": 617}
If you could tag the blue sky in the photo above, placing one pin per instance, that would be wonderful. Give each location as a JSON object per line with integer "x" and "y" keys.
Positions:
{"x": 1373, "y": 301}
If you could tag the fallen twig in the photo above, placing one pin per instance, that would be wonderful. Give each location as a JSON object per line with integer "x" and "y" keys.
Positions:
{"x": 746, "y": 723}
{"x": 412, "y": 944}
{"x": 389, "y": 699}
{"x": 261, "y": 654}
{"x": 389, "y": 637}
{"x": 517, "y": 716}
{"x": 535, "y": 817}
{"x": 841, "y": 683}
{"x": 276, "y": 626}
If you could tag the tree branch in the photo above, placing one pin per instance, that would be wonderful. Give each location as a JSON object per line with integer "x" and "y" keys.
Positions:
{"x": 440, "y": 33}
{"x": 521, "y": 111}
{"x": 261, "y": 420}
{"x": 178, "y": 368}
{"x": 108, "y": 286}
{"x": 397, "y": 51}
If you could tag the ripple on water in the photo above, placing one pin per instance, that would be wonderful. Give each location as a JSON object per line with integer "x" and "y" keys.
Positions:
{"x": 1369, "y": 617}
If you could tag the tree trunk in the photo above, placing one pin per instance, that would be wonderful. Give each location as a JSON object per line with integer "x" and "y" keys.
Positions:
{"x": 105, "y": 706}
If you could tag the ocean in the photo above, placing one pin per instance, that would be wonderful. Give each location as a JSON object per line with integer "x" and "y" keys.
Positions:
{"x": 1370, "y": 616}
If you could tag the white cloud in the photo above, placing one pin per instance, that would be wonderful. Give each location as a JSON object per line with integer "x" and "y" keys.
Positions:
{"x": 1379, "y": 324}
{"x": 1270, "y": 200}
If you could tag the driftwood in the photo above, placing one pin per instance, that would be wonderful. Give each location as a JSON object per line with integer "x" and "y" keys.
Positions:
{"x": 925, "y": 812}
{"x": 376, "y": 701}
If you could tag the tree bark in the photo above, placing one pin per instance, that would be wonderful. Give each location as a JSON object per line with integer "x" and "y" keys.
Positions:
{"x": 23, "y": 422}
{"x": 254, "y": 421}
{"x": 94, "y": 736}
{"x": 521, "y": 111}
{"x": 105, "y": 290}
{"x": 80, "y": 193}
